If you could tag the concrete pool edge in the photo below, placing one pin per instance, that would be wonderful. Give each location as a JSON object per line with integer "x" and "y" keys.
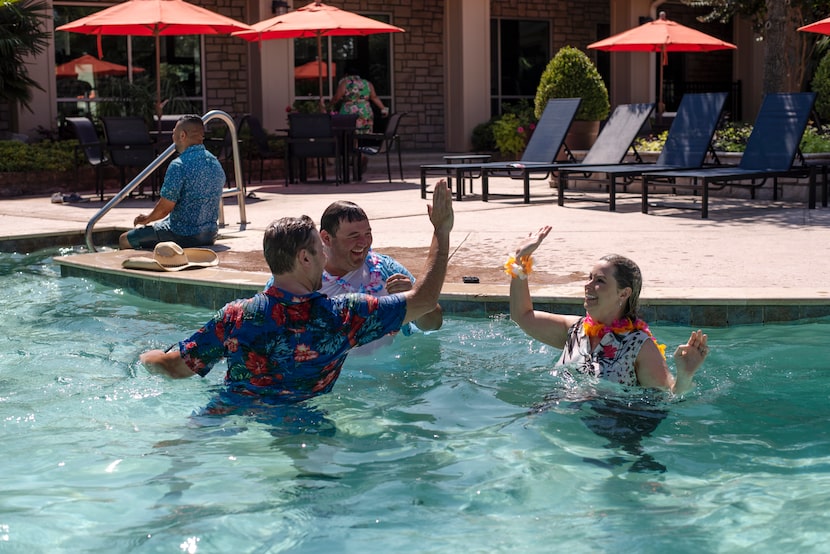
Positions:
{"x": 213, "y": 287}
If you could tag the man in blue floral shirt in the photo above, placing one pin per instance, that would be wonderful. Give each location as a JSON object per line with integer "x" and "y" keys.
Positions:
{"x": 188, "y": 208}
{"x": 289, "y": 342}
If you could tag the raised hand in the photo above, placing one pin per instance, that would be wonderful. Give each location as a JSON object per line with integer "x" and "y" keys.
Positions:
{"x": 689, "y": 357}
{"x": 440, "y": 211}
{"x": 532, "y": 242}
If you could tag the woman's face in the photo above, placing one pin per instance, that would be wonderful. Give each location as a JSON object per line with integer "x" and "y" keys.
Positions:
{"x": 604, "y": 300}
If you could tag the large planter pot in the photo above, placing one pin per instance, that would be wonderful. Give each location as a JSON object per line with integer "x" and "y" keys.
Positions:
{"x": 582, "y": 134}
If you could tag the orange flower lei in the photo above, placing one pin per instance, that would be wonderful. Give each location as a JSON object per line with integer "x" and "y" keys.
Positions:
{"x": 619, "y": 327}
{"x": 520, "y": 268}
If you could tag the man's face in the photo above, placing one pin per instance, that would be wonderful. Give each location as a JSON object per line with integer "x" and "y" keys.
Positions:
{"x": 347, "y": 249}
{"x": 319, "y": 262}
{"x": 179, "y": 137}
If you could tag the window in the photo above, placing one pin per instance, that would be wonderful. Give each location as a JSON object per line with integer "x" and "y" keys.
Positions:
{"x": 123, "y": 82}
{"x": 370, "y": 56}
{"x": 520, "y": 52}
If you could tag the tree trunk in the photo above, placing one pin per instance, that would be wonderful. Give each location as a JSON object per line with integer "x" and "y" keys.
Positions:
{"x": 787, "y": 50}
{"x": 776, "y": 70}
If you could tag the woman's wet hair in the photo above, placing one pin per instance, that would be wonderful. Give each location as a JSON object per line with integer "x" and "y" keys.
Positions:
{"x": 627, "y": 274}
{"x": 283, "y": 240}
{"x": 342, "y": 210}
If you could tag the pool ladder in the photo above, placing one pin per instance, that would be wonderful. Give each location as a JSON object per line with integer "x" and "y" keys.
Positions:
{"x": 238, "y": 191}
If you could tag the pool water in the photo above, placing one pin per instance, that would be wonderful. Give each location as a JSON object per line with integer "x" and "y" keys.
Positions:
{"x": 459, "y": 440}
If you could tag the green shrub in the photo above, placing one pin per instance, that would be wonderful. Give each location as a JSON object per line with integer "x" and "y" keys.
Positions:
{"x": 812, "y": 141}
{"x": 483, "y": 139}
{"x": 40, "y": 156}
{"x": 506, "y": 133}
{"x": 733, "y": 138}
{"x": 513, "y": 129}
{"x": 821, "y": 86}
{"x": 651, "y": 143}
{"x": 571, "y": 74}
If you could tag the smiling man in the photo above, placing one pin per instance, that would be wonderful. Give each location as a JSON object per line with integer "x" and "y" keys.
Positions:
{"x": 353, "y": 266}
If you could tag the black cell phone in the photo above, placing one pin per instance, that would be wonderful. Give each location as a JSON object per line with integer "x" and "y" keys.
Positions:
{"x": 469, "y": 279}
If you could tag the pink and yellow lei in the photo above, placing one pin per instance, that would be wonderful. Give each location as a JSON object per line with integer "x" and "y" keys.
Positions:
{"x": 619, "y": 327}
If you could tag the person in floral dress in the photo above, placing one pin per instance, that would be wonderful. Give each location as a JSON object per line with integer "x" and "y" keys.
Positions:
{"x": 356, "y": 93}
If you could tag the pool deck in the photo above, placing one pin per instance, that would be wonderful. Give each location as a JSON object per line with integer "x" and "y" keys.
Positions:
{"x": 752, "y": 261}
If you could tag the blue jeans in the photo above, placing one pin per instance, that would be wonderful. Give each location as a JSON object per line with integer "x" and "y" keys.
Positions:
{"x": 148, "y": 236}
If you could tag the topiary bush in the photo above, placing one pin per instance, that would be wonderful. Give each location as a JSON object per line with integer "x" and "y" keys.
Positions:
{"x": 571, "y": 74}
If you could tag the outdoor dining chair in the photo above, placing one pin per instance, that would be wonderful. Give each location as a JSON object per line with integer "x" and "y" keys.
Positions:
{"x": 770, "y": 153}
{"x": 129, "y": 145}
{"x": 258, "y": 147}
{"x": 310, "y": 136}
{"x": 344, "y": 127}
{"x": 384, "y": 143}
{"x": 90, "y": 145}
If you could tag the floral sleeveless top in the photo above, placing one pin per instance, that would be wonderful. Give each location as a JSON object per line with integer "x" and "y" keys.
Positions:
{"x": 612, "y": 359}
{"x": 356, "y": 101}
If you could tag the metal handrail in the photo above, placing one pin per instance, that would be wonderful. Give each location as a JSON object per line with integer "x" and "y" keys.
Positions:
{"x": 238, "y": 190}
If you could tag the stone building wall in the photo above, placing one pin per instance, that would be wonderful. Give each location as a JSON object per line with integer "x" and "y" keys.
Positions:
{"x": 418, "y": 55}
{"x": 227, "y": 63}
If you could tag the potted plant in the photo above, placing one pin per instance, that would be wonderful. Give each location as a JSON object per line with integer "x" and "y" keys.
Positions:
{"x": 571, "y": 74}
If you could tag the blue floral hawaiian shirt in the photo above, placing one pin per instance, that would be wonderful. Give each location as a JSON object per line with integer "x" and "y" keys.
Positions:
{"x": 289, "y": 346}
{"x": 194, "y": 181}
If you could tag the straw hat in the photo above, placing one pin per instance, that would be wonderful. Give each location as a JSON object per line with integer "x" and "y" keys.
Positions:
{"x": 169, "y": 256}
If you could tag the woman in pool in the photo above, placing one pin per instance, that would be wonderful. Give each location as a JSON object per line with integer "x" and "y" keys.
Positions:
{"x": 610, "y": 341}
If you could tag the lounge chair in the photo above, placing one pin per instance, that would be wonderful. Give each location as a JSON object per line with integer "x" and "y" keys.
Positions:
{"x": 610, "y": 147}
{"x": 770, "y": 153}
{"x": 688, "y": 141}
{"x": 542, "y": 148}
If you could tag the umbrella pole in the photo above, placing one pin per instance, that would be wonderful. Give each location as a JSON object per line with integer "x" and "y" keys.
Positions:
{"x": 661, "y": 107}
{"x": 158, "y": 85}
{"x": 320, "y": 69}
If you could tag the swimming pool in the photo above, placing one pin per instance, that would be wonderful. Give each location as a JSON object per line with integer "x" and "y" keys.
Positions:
{"x": 454, "y": 441}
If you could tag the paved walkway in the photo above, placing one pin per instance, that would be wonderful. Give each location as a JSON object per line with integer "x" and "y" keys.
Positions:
{"x": 748, "y": 251}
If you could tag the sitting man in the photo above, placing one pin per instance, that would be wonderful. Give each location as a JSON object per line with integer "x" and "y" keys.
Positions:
{"x": 288, "y": 343}
{"x": 353, "y": 266}
{"x": 188, "y": 208}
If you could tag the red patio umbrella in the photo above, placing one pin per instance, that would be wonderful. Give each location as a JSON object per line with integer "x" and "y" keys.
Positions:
{"x": 663, "y": 36}
{"x": 312, "y": 70}
{"x": 821, "y": 27}
{"x": 98, "y": 67}
{"x": 316, "y": 20}
{"x": 153, "y": 18}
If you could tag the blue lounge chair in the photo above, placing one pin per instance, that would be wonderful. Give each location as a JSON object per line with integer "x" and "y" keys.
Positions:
{"x": 770, "y": 153}
{"x": 542, "y": 148}
{"x": 610, "y": 147}
{"x": 688, "y": 141}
